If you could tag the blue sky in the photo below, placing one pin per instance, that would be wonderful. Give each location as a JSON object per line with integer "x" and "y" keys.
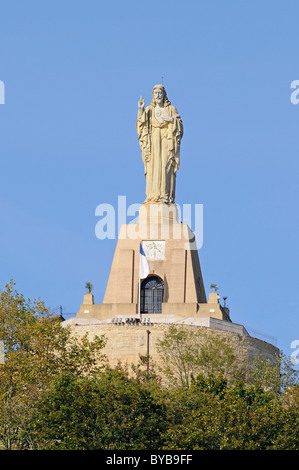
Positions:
{"x": 73, "y": 74}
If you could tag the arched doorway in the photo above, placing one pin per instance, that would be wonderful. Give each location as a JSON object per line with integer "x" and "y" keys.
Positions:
{"x": 151, "y": 295}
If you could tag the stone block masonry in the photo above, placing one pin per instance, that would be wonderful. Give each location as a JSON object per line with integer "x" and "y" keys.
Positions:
{"x": 125, "y": 343}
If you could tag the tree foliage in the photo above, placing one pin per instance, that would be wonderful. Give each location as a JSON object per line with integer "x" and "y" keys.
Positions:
{"x": 107, "y": 411}
{"x": 213, "y": 415}
{"x": 57, "y": 392}
{"x": 187, "y": 352}
{"x": 36, "y": 350}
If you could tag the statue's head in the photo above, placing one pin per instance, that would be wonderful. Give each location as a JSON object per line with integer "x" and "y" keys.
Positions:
{"x": 159, "y": 96}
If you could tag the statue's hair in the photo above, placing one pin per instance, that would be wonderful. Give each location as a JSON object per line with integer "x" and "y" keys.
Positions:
{"x": 166, "y": 100}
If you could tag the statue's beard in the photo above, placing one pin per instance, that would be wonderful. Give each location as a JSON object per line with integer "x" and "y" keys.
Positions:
{"x": 159, "y": 102}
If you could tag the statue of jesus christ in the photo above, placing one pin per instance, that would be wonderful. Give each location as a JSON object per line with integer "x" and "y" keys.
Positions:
{"x": 160, "y": 130}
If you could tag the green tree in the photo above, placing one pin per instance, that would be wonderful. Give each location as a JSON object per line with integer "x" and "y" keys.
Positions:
{"x": 186, "y": 352}
{"x": 105, "y": 411}
{"x": 36, "y": 351}
{"x": 89, "y": 287}
{"x": 214, "y": 415}
{"x": 214, "y": 286}
{"x": 276, "y": 375}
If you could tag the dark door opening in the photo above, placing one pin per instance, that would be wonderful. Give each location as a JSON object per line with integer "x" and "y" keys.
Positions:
{"x": 151, "y": 295}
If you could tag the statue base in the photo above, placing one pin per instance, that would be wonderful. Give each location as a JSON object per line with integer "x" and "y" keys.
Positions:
{"x": 158, "y": 213}
{"x": 171, "y": 252}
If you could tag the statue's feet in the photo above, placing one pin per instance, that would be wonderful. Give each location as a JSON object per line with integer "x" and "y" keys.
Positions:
{"x": 148, "y": 200}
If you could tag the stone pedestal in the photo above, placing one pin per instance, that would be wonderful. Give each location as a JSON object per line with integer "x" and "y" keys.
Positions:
{"x": 88, "y": 299}
{"x": 171, "y": 252}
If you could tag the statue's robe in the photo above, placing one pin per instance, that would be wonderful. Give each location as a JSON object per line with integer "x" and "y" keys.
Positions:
{"x": 160, "y": 147}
